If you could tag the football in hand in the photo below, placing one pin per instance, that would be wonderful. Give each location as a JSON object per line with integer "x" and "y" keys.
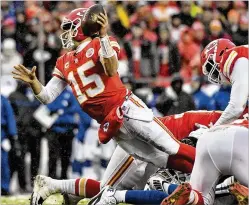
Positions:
{"x": 90, "y": 25}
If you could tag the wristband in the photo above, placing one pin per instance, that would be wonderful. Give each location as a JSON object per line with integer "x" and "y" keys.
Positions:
{"x": 106, "y": 48}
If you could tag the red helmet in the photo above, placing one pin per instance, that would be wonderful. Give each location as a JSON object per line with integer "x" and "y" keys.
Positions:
{"x": 211, "y": 57}
{"x": 72, "y": 25}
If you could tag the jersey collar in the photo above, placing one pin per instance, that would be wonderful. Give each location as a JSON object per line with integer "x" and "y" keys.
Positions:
{"x": 83, "y": 44}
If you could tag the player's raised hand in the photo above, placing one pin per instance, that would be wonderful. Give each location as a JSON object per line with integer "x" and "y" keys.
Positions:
{"x": 102, "y": 19}
{"x": 24, "y": 74}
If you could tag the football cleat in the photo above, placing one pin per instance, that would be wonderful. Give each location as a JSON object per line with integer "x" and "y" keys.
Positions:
{"x": 42, "y": 190}
{"x": 180, "y": 196}
{"x": 156, "y": 182}
{"x": 104, "y": 197}
{"x": 166, "y": 176}
{"x": 70, "y": 199}
{"x": 240, "y": 192}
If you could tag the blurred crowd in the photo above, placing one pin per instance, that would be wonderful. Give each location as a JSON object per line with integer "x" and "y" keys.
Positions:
{"x": 159, "y": 60}
{"x": 155, "y": 37}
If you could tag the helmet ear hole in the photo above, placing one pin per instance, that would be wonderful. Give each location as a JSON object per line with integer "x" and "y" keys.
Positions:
{"x": 221, "y": 53}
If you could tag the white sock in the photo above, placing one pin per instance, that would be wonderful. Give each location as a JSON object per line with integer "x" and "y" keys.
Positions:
{"x": 223, "y": 187}
{"x": 120, "y": 196}
{"x": 67, "y": 186}
{"x": 193, "y": 197}
{"x": 166, "y": 187}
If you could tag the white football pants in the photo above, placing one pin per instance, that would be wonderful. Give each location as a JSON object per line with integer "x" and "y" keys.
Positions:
{"x": 223, "y": 150}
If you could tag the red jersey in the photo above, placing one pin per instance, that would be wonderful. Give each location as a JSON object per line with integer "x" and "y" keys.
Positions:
{"x": 242, "y": 122}
{"x": 182, "y": 124}
{"x": 82, "y": 69}
{"x": 230, "y": 57}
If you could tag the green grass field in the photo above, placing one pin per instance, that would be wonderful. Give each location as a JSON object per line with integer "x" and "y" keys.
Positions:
{"x": 24, "y": 200}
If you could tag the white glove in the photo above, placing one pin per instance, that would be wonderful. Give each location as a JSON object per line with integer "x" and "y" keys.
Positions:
{"x": 6, "y": 145}
{"x": 199, "y": 132}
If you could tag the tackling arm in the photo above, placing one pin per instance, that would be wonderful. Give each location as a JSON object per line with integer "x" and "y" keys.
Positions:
{"x": 239, "y": 93}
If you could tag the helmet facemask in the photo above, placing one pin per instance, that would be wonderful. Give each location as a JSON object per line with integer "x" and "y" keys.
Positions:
{"x": 211, "y": 70}
{"x": 71, "y": 31}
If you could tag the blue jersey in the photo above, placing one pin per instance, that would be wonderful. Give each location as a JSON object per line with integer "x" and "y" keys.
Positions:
{"x": 222, "y": 97}
{"x": 8, "y": 121}
{"x": 67, "y": 103}
{"x": 84, "y": 124}
{"x": 202, "y": 101}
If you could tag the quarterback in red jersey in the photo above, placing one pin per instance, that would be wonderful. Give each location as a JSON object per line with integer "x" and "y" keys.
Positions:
{"x": 91, "y": 71}
{"x": 223, "y": 61}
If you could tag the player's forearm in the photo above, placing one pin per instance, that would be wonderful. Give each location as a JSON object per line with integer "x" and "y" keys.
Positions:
{"x": 236, "y": 104}
{"x": 111, "y": 65}
{"x": 51, "y": 91}
{"x": 239, "y": 93}
{"x": 36, "y": 86}
{"x": 109, "y": 58}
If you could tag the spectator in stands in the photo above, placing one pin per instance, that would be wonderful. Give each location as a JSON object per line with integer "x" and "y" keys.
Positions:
{"x": 199, "y": 34}
{"x": 8, "y": 133}
{"x": 22, "y": 32}
{"x": 61, "y": 134}
{"x": 167, "y": 51}
{"x": 185, "y": 14}
{"x": 233, "y": 21}
{"x": 185, "y": 45}
{"x": 7, "y": 9}
{"x": 223, "y": 7}
{"x": 119, "y": 19}
{"x": 34, "y": 55}
{"x": 241, "y": 7}
{"x": 216, "y": 31}
{"x": 240, "y": 37}
{"x": 29, "y": 130}
{"x": 207, "y": 17}
{"x": 21, "y": 106}
{"x": 202, "y": 101}
{"x": 163, "y": 10}
{"x": 143, "y": 45}
{"x": 174, "y": 100}
{"x": 8, "y": 29}
{"x": 9, "y": 58}
{"x": 176, "y": 28}
{"x": 221, "y": 97}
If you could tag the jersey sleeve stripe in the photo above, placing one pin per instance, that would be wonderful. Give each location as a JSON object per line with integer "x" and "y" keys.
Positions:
{"x": 58, "y": 76}
{"x": 58, "y": 72}
{"x": 228, "y": 63}
{"x": 115, "y": 44}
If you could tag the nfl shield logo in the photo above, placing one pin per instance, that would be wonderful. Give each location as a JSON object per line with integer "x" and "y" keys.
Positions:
{"x": 106, "y": 126}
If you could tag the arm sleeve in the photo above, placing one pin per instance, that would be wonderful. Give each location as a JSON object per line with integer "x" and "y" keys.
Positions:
{"x": 239, "y": 93}
{"x": 52, "y": 90}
